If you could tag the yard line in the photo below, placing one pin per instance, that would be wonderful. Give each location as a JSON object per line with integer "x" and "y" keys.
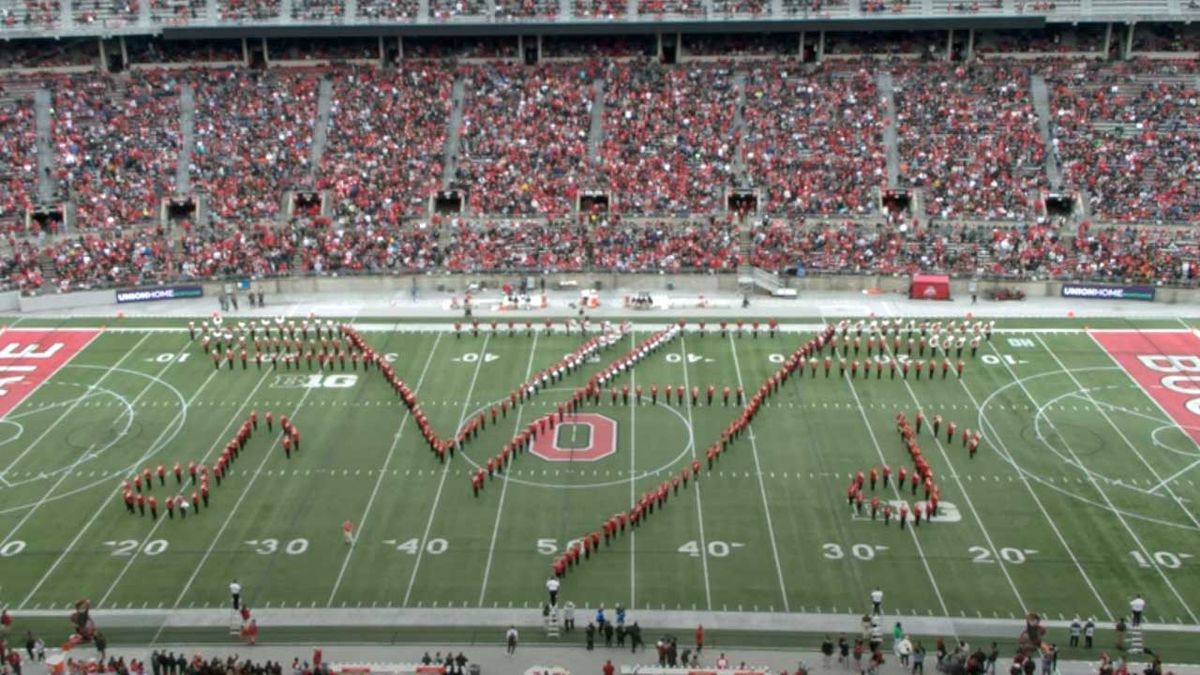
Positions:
{"x": 912, "y": 530}
{"x": 67, "y": 413}
{"x": 1172, "y": 477}
{"x": 937, "y": 440}
{"x": 762, "y": 489}
{"x": 215, "y": 444}
{"x": 1092, "y": 479}
{"x": 232, "y": 512}
{"x": 692, "y": 437}
{"x": 633, "y": 477}
{"x": 1191, "y": 516}
{"x": 382, "y": 472}
{"x": 100, "y": 508}
{"x": 437, "y": 497}
{"x": 487, "y": 570}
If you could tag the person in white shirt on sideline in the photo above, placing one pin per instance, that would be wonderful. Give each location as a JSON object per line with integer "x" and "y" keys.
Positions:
{"x": 1137, "y": 606}
{"x": 552, "y": 587}
{"x": 877, "y": 601}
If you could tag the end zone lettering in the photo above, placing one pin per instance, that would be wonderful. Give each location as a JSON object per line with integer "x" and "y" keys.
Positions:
{"x": 159, "y": 293}
{"x": 1166, "y": 366}
{"x": 29, "y": 356}
{"x": 1101, "y": 292}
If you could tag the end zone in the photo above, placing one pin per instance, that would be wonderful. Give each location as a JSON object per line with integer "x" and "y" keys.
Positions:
{"x": 1166, "y": 365}
{"x": 30, "y": 356}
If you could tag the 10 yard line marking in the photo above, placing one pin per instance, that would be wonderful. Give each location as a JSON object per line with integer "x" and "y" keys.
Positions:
{"x": 215, "y": 444}
{"x": 100, "y": 508}
{"x": 437, "y": 497}
{"x": 487, "y": 570}
{"x": 382, "y": 472}
{"x": 1095, "y": 485}
{"x": 762, "y": 489}
{"x": 692, "y": 437}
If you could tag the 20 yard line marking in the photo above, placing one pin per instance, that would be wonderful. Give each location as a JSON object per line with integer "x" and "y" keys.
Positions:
{"x": 762, "y": 488}
{"x": 387, "y": 460}
{"x": 203, "y": 460}
{"x": 437, "y": 497}
{"x": 692, "y": 437}
{"x": 487, "y": 570}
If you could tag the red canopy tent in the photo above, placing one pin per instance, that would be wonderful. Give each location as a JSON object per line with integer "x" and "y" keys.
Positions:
{"x": 930, "y": 287}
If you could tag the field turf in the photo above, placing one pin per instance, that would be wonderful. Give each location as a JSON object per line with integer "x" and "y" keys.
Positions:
{"x": 1083, "y": 492}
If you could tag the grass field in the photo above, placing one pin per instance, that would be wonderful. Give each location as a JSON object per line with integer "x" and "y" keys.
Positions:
{"x": 1082, "y": 495}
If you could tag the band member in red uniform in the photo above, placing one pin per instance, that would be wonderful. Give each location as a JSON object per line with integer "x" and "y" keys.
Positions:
{"x": 153, "y": 504}
{"x": 887, "y": 474}
{"x": 903, "y": 515}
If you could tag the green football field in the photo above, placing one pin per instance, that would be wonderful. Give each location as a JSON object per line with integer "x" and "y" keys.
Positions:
{"x": 1083, "y": 492}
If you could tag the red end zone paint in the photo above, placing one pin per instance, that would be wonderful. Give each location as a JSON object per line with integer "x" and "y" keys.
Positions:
{"x": 29, "y": 356}
{"x": 1166, "y": 365}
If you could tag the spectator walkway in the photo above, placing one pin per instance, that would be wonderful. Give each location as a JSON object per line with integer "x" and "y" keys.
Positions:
{"x": 1041, "y": 103}
{"x": 321, "y": 131}
{"x": 739, "y": 130}
{"x": 187, "y": 134}
{"x": 596, "y": 130}
{"x": 891, "y": 145}
{"x": 454, "y": 130}
{"x": 45, "y": 149}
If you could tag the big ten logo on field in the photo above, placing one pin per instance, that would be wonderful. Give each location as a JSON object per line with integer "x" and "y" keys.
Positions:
{"x": 315, "y": 381}
{"x": 585, "y": 437}
{"x": 28, "y": 357}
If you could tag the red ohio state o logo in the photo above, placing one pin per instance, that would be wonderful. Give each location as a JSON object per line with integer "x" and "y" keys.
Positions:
{"x": 566, "y": 442}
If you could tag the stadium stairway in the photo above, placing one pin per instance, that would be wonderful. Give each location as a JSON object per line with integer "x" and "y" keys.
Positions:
{"x": 1041, "y": 103}
{"x": 45, "y": 147}
{"x": 596, "y": 130}
{"x": 739, "y": 128}
{"x": 887, "y": 90}
{"x": 453, "y": 136}
{"x": 187, "y": 139}
{"x": 321, "y": 129}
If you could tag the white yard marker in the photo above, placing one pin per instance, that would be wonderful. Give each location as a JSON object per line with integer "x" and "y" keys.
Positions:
{"x": 203, "y": 460}
{"x": 437, "y": 497}
{"x": 633, "y": 476}
{"x": 762, "y": 489}
{"x": 387, "y": 460}
{"x": 692, "y": 437}
{"x": 487, "y": 570}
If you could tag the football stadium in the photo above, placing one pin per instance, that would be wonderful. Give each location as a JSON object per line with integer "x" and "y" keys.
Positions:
{"x": 599, "y": 336}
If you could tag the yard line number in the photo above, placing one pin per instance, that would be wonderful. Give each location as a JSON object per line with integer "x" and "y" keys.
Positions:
{"x": 12, "y": 548}
{"x": 413, "y": 546}
{"x": 127, "y": 547}
{"x": 1167, "y": 559}
{"x": 1013, "y": 556}
{"x": 865, "y": 552}
{"x": 716, "y": 548}
{"x": 271, "y": 546}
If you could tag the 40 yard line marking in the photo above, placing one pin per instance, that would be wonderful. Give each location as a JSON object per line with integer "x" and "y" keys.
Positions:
{"x": 692, "y": 438}
{"x": 437, "y": 497}
{"x": 762, "y": 489}
{"x": 100, "y": 508}
{"x": 387, "y": 460}
{"x": 487, "y": 570}
{"x": 203, "y": 460}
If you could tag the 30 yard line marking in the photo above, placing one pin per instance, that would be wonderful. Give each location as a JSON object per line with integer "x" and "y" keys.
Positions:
{"x": 762, "y": 488}
{"x": 692, "y": 437}
{"x": 937, "y": 440}
{"x": 487, "y": 570}
{"x": 1095, "y": 485}
{"x": 100, "y": 508}
{"x": 217, "y": 440}
{"x": 437, "y": 497}
{"x": 912, "y": 530}
{"x": 387, "y": 460}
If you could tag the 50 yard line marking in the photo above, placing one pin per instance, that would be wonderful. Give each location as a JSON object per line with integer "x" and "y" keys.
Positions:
{"x": 387, "y": 460}
{"x": 215, "y": 444}
{"x": 692, "y": 438}
{"x": 762, "y": 489}
{"x": 437, "y": 497}
{"x": 1095, "y": 485}
{"x": 487, "y": 570}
